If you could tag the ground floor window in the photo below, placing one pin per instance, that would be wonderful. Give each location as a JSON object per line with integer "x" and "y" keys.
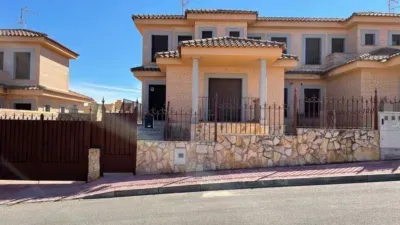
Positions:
{"x": 311, "y": 102}
{"x": 62, "y": 109}
{"x": 23, "y": 106}
{"x": 47, "y": 108}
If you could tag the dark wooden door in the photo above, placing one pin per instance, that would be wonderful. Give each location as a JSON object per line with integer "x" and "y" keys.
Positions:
{"x": 157, "y": 101}
{"x": 229, "y": 100}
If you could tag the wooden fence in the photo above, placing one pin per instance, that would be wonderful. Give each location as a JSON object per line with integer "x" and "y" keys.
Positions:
{"x": 40, "y": 149}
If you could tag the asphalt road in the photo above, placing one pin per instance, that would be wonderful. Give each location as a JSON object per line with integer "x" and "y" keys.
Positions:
{"x": 366, "y": 203}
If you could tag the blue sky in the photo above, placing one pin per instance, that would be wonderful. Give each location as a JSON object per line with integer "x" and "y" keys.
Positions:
{"x": 104, "y": 35}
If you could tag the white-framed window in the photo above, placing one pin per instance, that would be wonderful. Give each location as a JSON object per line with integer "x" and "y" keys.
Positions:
{"x": 207, "y": 32}
{"x": 370, "y": 37}
{"x": 22, "y": 65}
{"x": 62, "y": 109}
{"x": 23, "y": 61}
{"x": 235, "y": 32}
{"x": 395, "y": 39}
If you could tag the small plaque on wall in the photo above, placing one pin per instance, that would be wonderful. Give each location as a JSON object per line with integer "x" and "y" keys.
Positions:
{"x": 180, "y": 156}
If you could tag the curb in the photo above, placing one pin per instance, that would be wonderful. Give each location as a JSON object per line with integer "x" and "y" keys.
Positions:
{"x": 250, "y": 185}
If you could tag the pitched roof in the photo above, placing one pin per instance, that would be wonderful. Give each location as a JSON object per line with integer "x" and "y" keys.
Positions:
{"x": 168, "y": 54}
{"x": 31, "y": 33}
{"x": 380, "y": 55}
{"x": 288, "y": 57}
{"x": 282, "y": 19}
{"x": 160, "y": 17}
{"x": 376, "y": 14}
{"x": 300, "y": 19}
{"x": 145, "y": 68}
{"x": 225, "y": 42}
{"x": 175, "y": 54}
{"x": 219, "y": 11}
{"x": 41, "y": 87}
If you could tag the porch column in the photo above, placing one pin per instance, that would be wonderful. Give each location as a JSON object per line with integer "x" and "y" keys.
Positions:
{"x": 263, "y": 88}
{"x": 195, "y": 85}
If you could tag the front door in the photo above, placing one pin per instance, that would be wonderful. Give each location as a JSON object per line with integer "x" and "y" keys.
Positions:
{"x": 157, "y": 100}
{"x": 229, "y": 100}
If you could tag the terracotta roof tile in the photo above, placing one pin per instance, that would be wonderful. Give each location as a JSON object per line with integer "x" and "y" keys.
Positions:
{"x": 380, "y": 55}
{"x": 158, "y": 17}
{"x": 168, "y": 54}
{"x": 376, "y": 14}
{"x": 21, "y": 33}
{"x": 145, "y": 68}
{"x": 300, "y": 19}
{"x": 288, "y": 57}
{"x": 31, "y": 33}
{"x": 220, "y": 11}
{"x": 224, "y": 42}
{"x": 283, "y": 19}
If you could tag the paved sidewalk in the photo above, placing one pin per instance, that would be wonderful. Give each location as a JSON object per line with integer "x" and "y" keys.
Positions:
{"x": 14, "y": 192}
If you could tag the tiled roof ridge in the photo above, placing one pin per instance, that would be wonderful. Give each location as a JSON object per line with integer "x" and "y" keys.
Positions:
{"x": 18, "y": 32}
{"x": 262, "y": 18}
{"x": 301, "y": 19}
{"x": 220, "y": 11}
{"x": 226, "y": 41}
{"x": 378, "y": 55}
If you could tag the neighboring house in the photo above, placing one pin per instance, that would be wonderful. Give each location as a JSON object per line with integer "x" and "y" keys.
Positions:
{"x": 34, "y": 73}
{"x": 239, "y": 54}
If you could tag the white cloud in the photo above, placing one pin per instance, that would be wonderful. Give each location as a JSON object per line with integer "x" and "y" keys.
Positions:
{"x": 113, "y": 88}
{"x": 110, "y": 93}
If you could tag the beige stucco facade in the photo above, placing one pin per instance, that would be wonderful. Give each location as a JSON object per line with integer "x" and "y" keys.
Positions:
{"x": 48, "y": 83}
{"x": 356, "y": 78}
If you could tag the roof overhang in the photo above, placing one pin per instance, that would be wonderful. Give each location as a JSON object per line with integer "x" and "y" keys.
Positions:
{"x": 364, "y": 64}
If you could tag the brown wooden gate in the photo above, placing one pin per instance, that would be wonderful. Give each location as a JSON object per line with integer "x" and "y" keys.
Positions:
{"x": 44, "y": 149}
{"x": 116, "y": 136}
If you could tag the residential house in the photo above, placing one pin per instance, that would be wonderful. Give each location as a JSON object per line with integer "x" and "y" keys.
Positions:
{"x": 34, "y": 73}
{"x": 241, "y": 55}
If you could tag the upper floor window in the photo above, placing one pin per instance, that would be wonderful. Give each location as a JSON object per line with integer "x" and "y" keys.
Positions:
{"x": 313, "y": 51}
{"x": 369, "y": 39}
{"x": 338, "y": 45}
{"x": 280, "y": 39}
{"x": 159, "y": 43}
{"x": 234, "y": 33}
{"x": 206, "y": 34}
{"x": 184, "y": 38}
{"x": 1, "y": 60}
{"x": 396, "y": 39}
{"x": 22, "y": 65}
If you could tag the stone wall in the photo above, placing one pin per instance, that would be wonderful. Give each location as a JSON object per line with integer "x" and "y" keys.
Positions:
{"x": 257, "y": 151}
{"x": 205, "y": 130}
{"x": 93, "y": 164}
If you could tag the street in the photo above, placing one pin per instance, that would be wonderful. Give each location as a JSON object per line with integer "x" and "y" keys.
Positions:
{"x": 363, "y": 203}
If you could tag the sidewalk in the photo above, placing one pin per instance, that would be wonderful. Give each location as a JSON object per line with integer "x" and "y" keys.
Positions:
{"x": 14, "y": 192}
